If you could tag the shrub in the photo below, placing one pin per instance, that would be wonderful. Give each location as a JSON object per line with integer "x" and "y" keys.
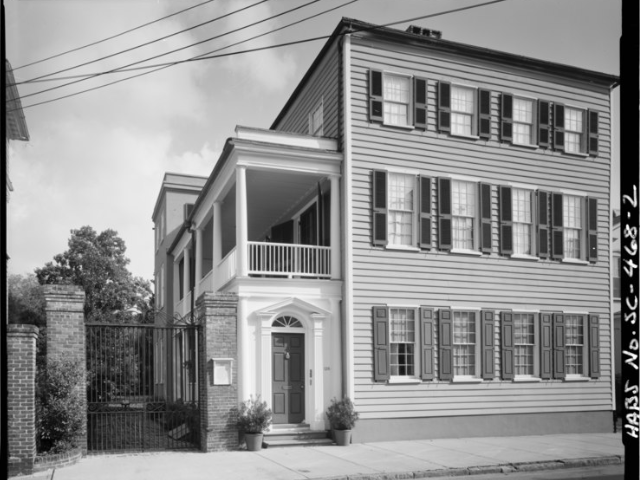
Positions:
{"x": 342, "y": 414}
{"x": 60, "y": 412}
{"x": 254, "y": 416}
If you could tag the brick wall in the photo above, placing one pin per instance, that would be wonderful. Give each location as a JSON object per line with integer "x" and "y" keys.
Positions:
{"x": 21, "y": 384}
{"x": 66, "y": 333}
{"x": 218, "y": 316}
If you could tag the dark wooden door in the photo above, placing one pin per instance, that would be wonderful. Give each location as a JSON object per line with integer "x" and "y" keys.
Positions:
{"x": 288, "y": 377}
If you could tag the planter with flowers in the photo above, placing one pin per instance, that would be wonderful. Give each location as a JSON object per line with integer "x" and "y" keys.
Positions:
{"x": 254, "y": 417}
{"x": 342, "y": 417}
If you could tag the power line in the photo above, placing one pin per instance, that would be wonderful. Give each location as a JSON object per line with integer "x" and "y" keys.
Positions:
{"x": 113, "y": 36}
{"x": 177, "y": 49}
{"x": 296, "y": 42}
{"x": 142, "y": 44}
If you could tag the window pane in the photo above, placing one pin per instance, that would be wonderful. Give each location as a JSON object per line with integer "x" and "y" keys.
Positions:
{"x": 400, "y": 217}
{"x": 522, "y": 110}
{"x": 462, "y": 99}
{"x": 463, "y": 195}
{"x": 572, "y": 221}
{"x": 464, "y": 343}
{"x": 522, "y": 133}
{"x": 402, "y": 341}
{"x": 521, "y": 210}
{"x": 524, "y": 343}
{"x": 573, "y": 120}
{"x": 396, "y": 89}
{"x": 396, "y": 114}
{"x": 461, "y": 124}
{"x": 574, "y": 344}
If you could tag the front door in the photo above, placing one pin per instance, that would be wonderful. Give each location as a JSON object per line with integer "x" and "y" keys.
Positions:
{"x": 287, "y": 377}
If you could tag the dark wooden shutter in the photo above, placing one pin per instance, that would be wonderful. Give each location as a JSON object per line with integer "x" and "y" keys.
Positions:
{"x": 376, "y": 113}
{"x": 506, "y": 221}
{"x": 543, "y": 224}
{"x": 559, "y": 370}
{"x": 592, "y": 229}
{"x": 584, "y": 138}
{"x": 546, "y": 346}
{"x": 444, "y": 107}
{"x": 485, "y": 217}
{"x": 487, "y": 324}
{"x": 558, "y": 126}
{"x": 420, "y": 103}
{"x": 544, "y": 126}
{"x": 484, "y": 117}
{"x": 428, "y": 345}
{"x": 594, "y": 346}
{"x": 444, "y": 213}
{"x": 506, "y": 325}
{"x": 557, "y": 234}
{"x": 593, "y": 132}
{"x": 380, "y": 344}
{"x": 379, "y": 207}
{"x": 445, "y": 366}
{"x": 506, "y": 118}
{"x": 425, "y": 212}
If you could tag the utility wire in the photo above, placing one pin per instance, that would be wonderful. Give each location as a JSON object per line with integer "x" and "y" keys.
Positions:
{"x": 113, "y": 36}
{"x": 142, "y": 45}
{"x": 177, "y": 49}
{"x": 296, "y": 42}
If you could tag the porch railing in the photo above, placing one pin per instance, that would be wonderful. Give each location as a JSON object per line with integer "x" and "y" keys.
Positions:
{"x": 289, "y": 259}
{"x": 227, "y": 269}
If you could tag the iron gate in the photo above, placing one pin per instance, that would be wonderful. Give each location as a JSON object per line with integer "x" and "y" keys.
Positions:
{"x": 142, "y": 387}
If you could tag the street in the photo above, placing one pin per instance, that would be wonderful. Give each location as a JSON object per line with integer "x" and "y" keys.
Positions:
{"x": 607, "y": 472}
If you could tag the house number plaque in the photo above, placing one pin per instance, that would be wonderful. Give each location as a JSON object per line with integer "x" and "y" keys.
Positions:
{"x": 222, "y": 371}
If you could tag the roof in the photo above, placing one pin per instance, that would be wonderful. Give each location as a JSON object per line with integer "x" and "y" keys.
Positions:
{"x": 14, "y": 115}
{"x": 351, "y": 26}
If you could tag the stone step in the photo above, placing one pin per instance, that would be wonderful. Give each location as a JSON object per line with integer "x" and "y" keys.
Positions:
{"x": 292, "y": 435}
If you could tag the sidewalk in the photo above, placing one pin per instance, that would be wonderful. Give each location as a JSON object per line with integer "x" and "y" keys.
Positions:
{"x": 365, "y": 461}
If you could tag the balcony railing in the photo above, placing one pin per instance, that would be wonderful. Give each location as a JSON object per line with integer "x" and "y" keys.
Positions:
{"x": 284, "y": 259}
{"x": 227, "y": 269}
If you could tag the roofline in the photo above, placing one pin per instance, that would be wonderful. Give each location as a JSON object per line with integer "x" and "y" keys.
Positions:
{"x": 12, "y": 95}
{"x": 350, "y": 25}
{"x": 163, "y": 188}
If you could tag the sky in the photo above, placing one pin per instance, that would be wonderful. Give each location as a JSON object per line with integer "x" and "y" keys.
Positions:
{"x": 98, "y": 158}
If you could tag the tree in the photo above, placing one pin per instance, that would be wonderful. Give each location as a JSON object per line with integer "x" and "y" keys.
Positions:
{"x": 27, "y": 306}
{"x": 97, "y": 263}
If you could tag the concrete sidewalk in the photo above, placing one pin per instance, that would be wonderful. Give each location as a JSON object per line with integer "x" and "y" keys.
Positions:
{"x": 365, "y": 461}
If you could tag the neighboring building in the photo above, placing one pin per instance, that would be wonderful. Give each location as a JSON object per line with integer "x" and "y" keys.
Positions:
{"x": 616, "y": 274}
{"x": 440, "y": 253}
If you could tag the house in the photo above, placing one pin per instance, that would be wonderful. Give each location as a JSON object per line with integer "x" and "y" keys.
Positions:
{"x": 616, "y": 274}
{"x": 424, "y": 228}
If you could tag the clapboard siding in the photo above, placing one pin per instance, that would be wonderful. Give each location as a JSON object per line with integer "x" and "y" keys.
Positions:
{"x": 322, "y": 85}
{"x": 438, "y": 279}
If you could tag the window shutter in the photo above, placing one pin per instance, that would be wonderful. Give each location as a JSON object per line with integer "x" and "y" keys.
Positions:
{"x": 506, "y": 320}
{"x": 485, "y": 217}
{"x": 380, "y": 344}
{"x": 375, "y": 96}
{"x": 444, "y": 213}
{"x": 488, "y": 344}
{"x": 484, "y": 117}
{"x": 546, "y": 346}
{"x": 506, "y": 221}
{"x": 420, "y": 103}
{"x": 428, "y": 345}
{"x": 558, "y": 346}
{"x": 543, "y": 224}
{"x": 446, "y": 344}
{"x": 594, "y": 346}
{"x": 558, "y": 126}
{"x": 543, "y": 124}
{"x": 444, "y": 107}
{"x": 425, "y": 212}
{"x": 506, "y": 118}
{"x": 557, "y": 237}
{"x": 593, "y": 132}
{"x": 379, "y": 207}
{"x": 592, "y": 229}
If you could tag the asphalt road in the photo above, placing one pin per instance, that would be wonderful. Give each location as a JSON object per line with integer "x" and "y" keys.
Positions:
{"x": 607, "y": 472}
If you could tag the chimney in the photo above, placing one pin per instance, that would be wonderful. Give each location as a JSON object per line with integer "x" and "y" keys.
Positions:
{"x": 425, "y": 32}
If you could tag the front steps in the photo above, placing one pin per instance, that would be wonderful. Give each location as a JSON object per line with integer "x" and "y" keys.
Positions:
{"x": 294, "y": 435}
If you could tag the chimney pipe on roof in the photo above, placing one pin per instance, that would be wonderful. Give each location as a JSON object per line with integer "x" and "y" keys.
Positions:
{"x": 425, "y": 32}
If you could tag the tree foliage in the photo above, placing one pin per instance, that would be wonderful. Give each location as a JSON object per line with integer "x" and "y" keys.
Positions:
{"x": 97, "y": 263}
{"x": 27, "y": 306}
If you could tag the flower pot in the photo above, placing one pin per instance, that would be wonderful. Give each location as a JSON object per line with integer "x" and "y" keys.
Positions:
{"x": 342, "y": 437}
{"x": 253, "y": 441}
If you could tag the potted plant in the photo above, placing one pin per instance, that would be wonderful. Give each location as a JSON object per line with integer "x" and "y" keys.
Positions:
{"x": 342, "y": 417}
{"x": 253, "y": 419}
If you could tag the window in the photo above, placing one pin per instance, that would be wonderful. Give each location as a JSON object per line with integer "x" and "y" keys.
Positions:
{"x": 462, "y": 110}
{"x": 575, "y": 344}
{"x": 316, "y": 121}
{"x": 401, "y": 209}
{"x": 402, "y": 336}
{"x": 524, "y": 341}
{"x": 465, "y": 352}
{"x": 463, "y": 212}
{"x": 523, "y": 121}
{"x": 522, "y": 221}
{"x": 397, "y": 100}
{"x": 572, "y": 221}
{"x": 575, "y": 130}
{"x": 573, "y": 126}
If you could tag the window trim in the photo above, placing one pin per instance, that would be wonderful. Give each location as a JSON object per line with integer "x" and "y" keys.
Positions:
{"x": 410, "y": 102}
{"x": 474, "y": 116}
{"x": 477, "y": 376}
{"x": 535, "y": 376}
{"x": 586, "y": 347}
{"x": 416, "y": 346}
{"x": 476, "y": 223}
{"x": 532, "y": 225}
{"x": 534, "y": 122}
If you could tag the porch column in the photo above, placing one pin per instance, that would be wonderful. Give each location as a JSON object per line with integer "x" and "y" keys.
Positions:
{"x": 241, "y": 219}
{"x": 316, "y": 377}
{"x": 198, "y": 253}
{"x": 336, "y": 259}
{"x": 217, "y": 243}
{"x": 186, "y": 278}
